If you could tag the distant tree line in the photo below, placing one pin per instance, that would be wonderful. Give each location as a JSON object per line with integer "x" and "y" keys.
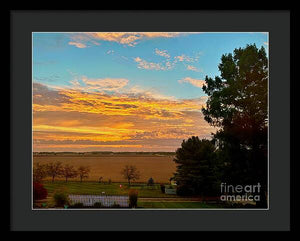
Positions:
{"x": 56, "y": 169}
{"x": 238, "y": 106}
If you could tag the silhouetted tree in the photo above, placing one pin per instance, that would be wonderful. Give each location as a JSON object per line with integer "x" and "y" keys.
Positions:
{"x": 238, "y": 106}
{"x": 39, "y": 172}
{"x": 69, "y": 171}
{"x": 130, "y": 173}
{"x": 54, "y": 169}
{"x": 83, "y": 172}
{"x": 197, "y": 170}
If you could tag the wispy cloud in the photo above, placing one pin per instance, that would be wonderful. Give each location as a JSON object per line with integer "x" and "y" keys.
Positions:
{"x": 124, "y": 38}
{"x": 193, "y": 68}
{"x": 50, "y": 78}
{"x": 163, "y": 53}
{"x": 110, "y": 52}
{"x": 78, "y": 45}
{"x": 168, "y": 63}
{"x": 185, "y": 58}
{"x": 86, "y": 84}
{"x": 143, "y": 64}
{"x": 195, "y": 82}
{"x": 106, "y": 84}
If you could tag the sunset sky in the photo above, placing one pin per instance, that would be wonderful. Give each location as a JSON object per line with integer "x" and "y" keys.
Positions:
{"x": 124, "y": 91}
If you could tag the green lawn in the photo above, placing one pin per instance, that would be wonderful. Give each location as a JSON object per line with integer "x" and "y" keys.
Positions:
{"x": 144, "y": 191}
{"x": 176, "y": 205}
{"x": 95, "y": 188}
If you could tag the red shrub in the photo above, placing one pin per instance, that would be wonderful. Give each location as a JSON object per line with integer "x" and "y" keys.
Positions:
{"x": 39, "y": 192}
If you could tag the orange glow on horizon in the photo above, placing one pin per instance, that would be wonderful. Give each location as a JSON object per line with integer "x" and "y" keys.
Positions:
{"x": 83, "y": 119}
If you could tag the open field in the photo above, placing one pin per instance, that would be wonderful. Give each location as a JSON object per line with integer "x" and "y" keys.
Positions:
{"x": 95, "y": 188}
{"x": 159, "y": 166}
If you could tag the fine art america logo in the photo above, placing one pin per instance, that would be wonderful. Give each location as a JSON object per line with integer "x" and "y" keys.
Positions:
{"x": 250, "y": 193}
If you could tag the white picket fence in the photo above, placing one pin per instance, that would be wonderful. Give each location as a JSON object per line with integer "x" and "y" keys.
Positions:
{"x": 106, "y": 201}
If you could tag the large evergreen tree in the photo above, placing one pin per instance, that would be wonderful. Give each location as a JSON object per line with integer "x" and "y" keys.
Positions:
{"x": 238, "y": 106}
{"x": 197, "y": 169}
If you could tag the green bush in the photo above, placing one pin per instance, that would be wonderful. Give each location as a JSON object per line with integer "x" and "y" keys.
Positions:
{"x": 60, "y": 198}
{"x": 133, "y": 198}
{"x": 97, "y": 205}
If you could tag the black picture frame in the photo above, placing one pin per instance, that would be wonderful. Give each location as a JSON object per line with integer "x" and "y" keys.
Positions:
{"x": 24, "y": 22}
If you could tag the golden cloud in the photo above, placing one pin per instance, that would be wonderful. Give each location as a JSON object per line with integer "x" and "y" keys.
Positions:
{"x": 195, "y": 82}
{"x": 73, "y": 117}
{"x": 125, "y": 38}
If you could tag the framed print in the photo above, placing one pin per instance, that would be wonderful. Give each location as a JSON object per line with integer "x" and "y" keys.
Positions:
{"x": 171, "y": 123}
